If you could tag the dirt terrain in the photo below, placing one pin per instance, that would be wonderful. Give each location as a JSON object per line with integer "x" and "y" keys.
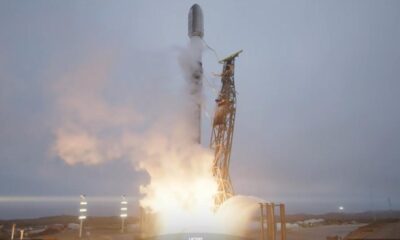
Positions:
{"x": 379, "y": 230}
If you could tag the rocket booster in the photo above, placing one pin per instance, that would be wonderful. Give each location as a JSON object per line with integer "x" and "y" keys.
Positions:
{"x": 196, "y": 33}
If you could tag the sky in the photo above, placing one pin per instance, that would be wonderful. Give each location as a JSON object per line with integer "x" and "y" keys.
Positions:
{"x": 317, "y": 124}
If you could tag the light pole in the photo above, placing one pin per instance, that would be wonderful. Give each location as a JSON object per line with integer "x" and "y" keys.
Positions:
{"x": 124, "y": 212}
{"x": 82, "y": 213}
{"x": 13, "y": 231}
{"x": 341, "y": 214}
{"x": 21, "y": 234}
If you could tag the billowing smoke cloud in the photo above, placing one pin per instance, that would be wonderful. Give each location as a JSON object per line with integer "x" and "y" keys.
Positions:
{"x": 91, "y": 130}
{"x": 87, "y": 123}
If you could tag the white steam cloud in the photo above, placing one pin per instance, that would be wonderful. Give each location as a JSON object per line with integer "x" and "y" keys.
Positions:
{"x": 92, "y": 129}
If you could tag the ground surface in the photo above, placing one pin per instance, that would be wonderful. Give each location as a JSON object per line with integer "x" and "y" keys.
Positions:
{"x": 321, "y": 232}
{"x": 380, "y": 230}
{"x": 97, "y": 235}
{"x": 310, "y": 233}
{"x": 101, "y": 228}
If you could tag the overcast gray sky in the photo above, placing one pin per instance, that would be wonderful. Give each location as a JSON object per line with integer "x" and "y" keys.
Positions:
{"x": 318, "y": 119}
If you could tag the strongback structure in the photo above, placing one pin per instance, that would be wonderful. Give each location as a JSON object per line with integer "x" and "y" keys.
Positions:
{"x": 222, "y": 132}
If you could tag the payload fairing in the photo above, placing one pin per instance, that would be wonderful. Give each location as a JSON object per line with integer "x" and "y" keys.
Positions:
{"x": 196, "y": 24}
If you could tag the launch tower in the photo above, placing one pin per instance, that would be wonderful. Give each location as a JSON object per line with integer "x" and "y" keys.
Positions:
{"x": 222, "y": 132}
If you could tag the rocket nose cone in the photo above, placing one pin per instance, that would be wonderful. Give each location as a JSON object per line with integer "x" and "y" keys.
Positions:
{"x": 195, "y": 6}
{"x": 196, "y": 27}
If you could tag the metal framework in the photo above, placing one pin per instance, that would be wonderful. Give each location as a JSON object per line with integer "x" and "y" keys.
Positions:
{"x": 268, "y": 215}
{"x": 222, "y": 132}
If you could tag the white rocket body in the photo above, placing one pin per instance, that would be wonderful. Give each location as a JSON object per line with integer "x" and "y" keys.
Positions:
{"x": 196, "y": 33}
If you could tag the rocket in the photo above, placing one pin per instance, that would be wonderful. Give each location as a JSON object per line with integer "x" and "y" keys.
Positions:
{"x": 196, "y": 33}
{"x": 195, "y": 24}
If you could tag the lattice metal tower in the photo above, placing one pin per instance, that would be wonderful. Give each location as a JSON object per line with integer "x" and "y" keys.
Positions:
{"x": 222, "y": 132}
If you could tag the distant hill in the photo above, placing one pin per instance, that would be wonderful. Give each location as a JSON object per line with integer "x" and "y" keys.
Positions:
{"x": 341, "y": 217}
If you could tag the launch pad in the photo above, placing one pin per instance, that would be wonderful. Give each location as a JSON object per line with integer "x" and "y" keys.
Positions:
{"x": 223, "y": 124}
